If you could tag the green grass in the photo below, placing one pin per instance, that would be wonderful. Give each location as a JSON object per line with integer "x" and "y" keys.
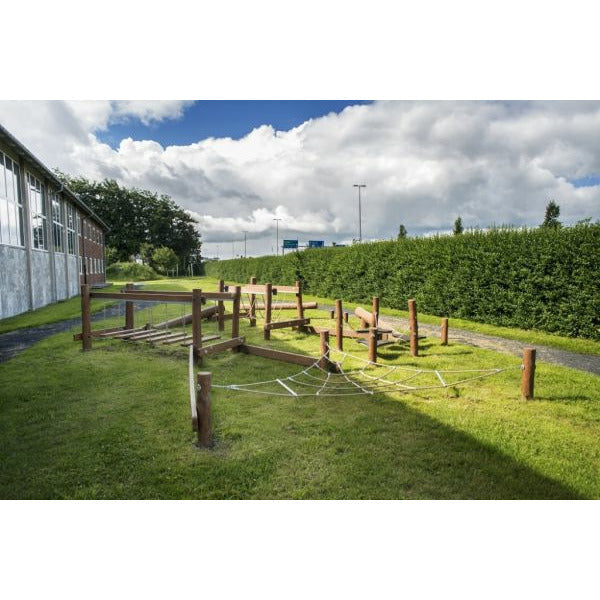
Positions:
{"x": 115, "y": 423}
{"x": 60, "y": 311}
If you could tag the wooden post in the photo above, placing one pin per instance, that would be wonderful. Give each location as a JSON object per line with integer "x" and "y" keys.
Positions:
{"x": 205, "y": 439}
{"x": 252, "y": 304}
{"x": 332, "y": 314}
{"x": 528, "y": 377}
{"x": 197, "y": 324}
{"x": 444, "y": 331}
{"x": 235, "y": 322}
{"x": 339, "y": 325}
{"x": 373, "y": 344}
{"x": 324, "y": 349}
{"x": 221, "y": 307}
{"x": 299, "y": 300}
{"x": 375, "y": 311}
{"x": 414, "y": 328}
{"x": 129, "y": 287}
{"x": 268, "y": 302}
{"x": 86, "y": 320}
{"x": 346, "y": 316}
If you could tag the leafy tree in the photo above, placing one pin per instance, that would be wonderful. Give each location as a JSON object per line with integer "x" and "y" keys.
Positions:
{"x": 137, "y": 217}
{"x": 401, "y": 232}
{"x": 111, "y": 255}
{"x": 164, "y": 259}
{"x": 458, "y": 226}
{"x": 551, "y": 216}
{"x": 146, "y": 252}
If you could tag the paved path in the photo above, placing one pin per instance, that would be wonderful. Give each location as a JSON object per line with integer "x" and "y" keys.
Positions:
{"x": 583, "y": 362}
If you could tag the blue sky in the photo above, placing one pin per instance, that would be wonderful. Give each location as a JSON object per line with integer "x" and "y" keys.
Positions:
{"x": 223, "y": 118}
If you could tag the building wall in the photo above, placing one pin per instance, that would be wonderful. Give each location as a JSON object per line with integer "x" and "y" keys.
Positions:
{"x": 34, "y": 273}
{"x": 14, "y": 283}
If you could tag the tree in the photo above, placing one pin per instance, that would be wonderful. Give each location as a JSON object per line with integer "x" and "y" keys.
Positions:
{"x": 137, "y": 217}
{"x": 458, "y": 226}
{"x": 164, "y": 259}
{"x": 111, "y": 255}
{"x": 146, "y": 252}
{"x": 551, "y": 216}
{"x": 401, "y": 232}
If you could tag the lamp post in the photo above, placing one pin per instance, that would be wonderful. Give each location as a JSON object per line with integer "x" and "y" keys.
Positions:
{"x": 245, "y": 232}
{"x": 359, "y": 185}
{"x": 277, "y": 247}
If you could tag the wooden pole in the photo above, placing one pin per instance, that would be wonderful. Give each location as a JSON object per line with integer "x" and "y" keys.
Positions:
{"x": 339, "y": 325}
{"x": 221, "y": 317}
{"x": 129, "y": 287}
{"x": 299, "y": 300}
{"x": 346, "y": 316}
{"x": 332, "y": 314}
{"x": 528, "y": 377}
{"x": 197, "y": 324}
{"x": 375, "y": 311}
{"x": 205, "y": 438}
{"x": 268, "y": 304}
{"x": 444, "y": 331}
{"x": 86, "y": 319}
{"x": 324, "y": 337}
{"x": 414, "y": 328}
{"x": 235, "y": 323}
{"x": 373, "y": 344}
{"x": 252, "y": 304}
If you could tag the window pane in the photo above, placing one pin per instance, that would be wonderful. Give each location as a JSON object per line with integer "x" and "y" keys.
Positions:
{"x": 12, "y": 219}
{"x": 2, "y": 177}
{"x": 4, "y": 236}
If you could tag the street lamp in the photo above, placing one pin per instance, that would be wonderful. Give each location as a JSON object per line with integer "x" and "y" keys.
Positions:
{"x": 277, "y": 220}
{"x": 245, "y": 232}
{"x": 359, "y": 185}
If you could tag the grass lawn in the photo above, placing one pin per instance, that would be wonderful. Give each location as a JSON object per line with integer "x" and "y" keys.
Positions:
{"x": 115, "y": 423}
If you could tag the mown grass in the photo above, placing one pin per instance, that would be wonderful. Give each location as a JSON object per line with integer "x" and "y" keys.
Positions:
{"x": 115, "y": 423}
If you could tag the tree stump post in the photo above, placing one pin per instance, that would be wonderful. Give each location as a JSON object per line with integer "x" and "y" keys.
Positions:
{"x": 373, "y": 344}
{"x": 324, "y": 339}
{"x": 414, "y": 328}
{"x": 528, "y": 377}
{"x": 375, "y": 311}
{"x": 444, "y": 334}
{"x": 203, "y": 409}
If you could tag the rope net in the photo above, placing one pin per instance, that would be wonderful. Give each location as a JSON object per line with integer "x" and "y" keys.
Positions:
{"x": 357, "y": 376}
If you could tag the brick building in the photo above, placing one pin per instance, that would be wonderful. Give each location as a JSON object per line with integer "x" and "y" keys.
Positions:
{"x": 50, "y": 241}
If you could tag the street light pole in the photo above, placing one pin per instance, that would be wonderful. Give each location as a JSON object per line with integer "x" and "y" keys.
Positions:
{"x": 277, "y": 220}
{"x": 359, "y": 185}
{"x": 245, "y": 232}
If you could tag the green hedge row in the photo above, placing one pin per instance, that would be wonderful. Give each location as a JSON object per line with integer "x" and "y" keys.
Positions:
{"x": 545, "y": 279}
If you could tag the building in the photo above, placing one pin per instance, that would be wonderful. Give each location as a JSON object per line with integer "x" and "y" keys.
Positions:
{"x": 50, "y": 241}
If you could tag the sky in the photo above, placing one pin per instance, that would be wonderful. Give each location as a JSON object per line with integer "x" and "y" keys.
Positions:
{"x": 238, "y": 165}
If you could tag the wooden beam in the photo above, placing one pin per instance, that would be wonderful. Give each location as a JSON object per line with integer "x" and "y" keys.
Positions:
{"x": 98, "y": 333}
{"x": 283, "y": 306}
{"x": 220, "y": 346}
{"x": 186, "y": 319}
{"x": 365, "y": 316}
{"x": 290, "y": 323}
{"x": 125, "y": 333}
{"x": 160, "y": 296}
{"x": 289, "y": 357}
{"x": 186, "y": 336}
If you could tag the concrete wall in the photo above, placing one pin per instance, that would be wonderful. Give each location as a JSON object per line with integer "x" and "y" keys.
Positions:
{"x": 73, "y": 276}
{"x": 42, "y": 278}
{"x": 14, "y": 285}
{"x": 60, "y": 272}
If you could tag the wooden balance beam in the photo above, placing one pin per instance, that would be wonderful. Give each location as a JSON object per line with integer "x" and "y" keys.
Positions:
{"x": 284, "y": 324}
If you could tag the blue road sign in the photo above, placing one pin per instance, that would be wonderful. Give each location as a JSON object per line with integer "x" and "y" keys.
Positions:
{"x": 293, "y": 244}
{"x": 316, "y": 243}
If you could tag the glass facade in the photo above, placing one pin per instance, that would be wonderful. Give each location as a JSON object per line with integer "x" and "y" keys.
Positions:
{"x": 39, "y": 229}
{"x": 71, "y": 229}
{"x": 58, "y": 227}
{"x": 11, "y": 206}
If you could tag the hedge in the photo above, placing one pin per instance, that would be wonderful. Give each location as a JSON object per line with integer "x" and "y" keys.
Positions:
{"x": 545, "y": 279}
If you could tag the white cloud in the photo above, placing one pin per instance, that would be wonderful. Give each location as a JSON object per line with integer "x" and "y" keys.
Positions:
{"x": 424, "y": 163}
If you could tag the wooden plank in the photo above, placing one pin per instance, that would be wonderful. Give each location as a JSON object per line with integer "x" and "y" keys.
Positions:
{"x": 285, "y": 289}
{"x": 160, "y": 296}
{"x": 365, "y": 315}
{"x": 284, "y": 306}
{"x": 125, "y": 334}
{"x": 98, "y": 333}
{"x": 186, "y": 319}
{"x": 186, "y": 336}
{"x": 290, "y": 323}
{"x": 289, "y": 357}
{"x": 349, "y": 333}
{"x": 220, "y": 346}
{"x": 365, "y": 342}
{"x": 140, "y": 336}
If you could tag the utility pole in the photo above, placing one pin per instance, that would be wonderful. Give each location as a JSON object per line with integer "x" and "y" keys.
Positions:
{"x": 359, "y": 185}
{"x": 245, "y": 255}
{"x": 277, "y": 220}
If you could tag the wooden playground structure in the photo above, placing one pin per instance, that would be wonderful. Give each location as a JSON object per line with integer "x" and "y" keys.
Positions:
{"x": 371, "y": 333}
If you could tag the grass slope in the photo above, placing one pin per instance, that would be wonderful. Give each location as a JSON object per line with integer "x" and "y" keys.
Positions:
{"x": 115, "y": 423}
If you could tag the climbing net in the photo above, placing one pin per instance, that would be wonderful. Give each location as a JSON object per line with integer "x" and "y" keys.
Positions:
{"x": 356, "y": 376}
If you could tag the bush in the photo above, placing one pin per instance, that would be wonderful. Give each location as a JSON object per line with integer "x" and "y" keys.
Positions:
{"x": 546, "y": 279}
{"x": 130, "y": 272}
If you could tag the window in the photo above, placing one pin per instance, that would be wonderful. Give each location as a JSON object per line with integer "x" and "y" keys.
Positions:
{"x": 58, "y": 228}
{"x": 11, "y": 207}
{"x": 71, "y": 229}
{"x": 38, "y": 215}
